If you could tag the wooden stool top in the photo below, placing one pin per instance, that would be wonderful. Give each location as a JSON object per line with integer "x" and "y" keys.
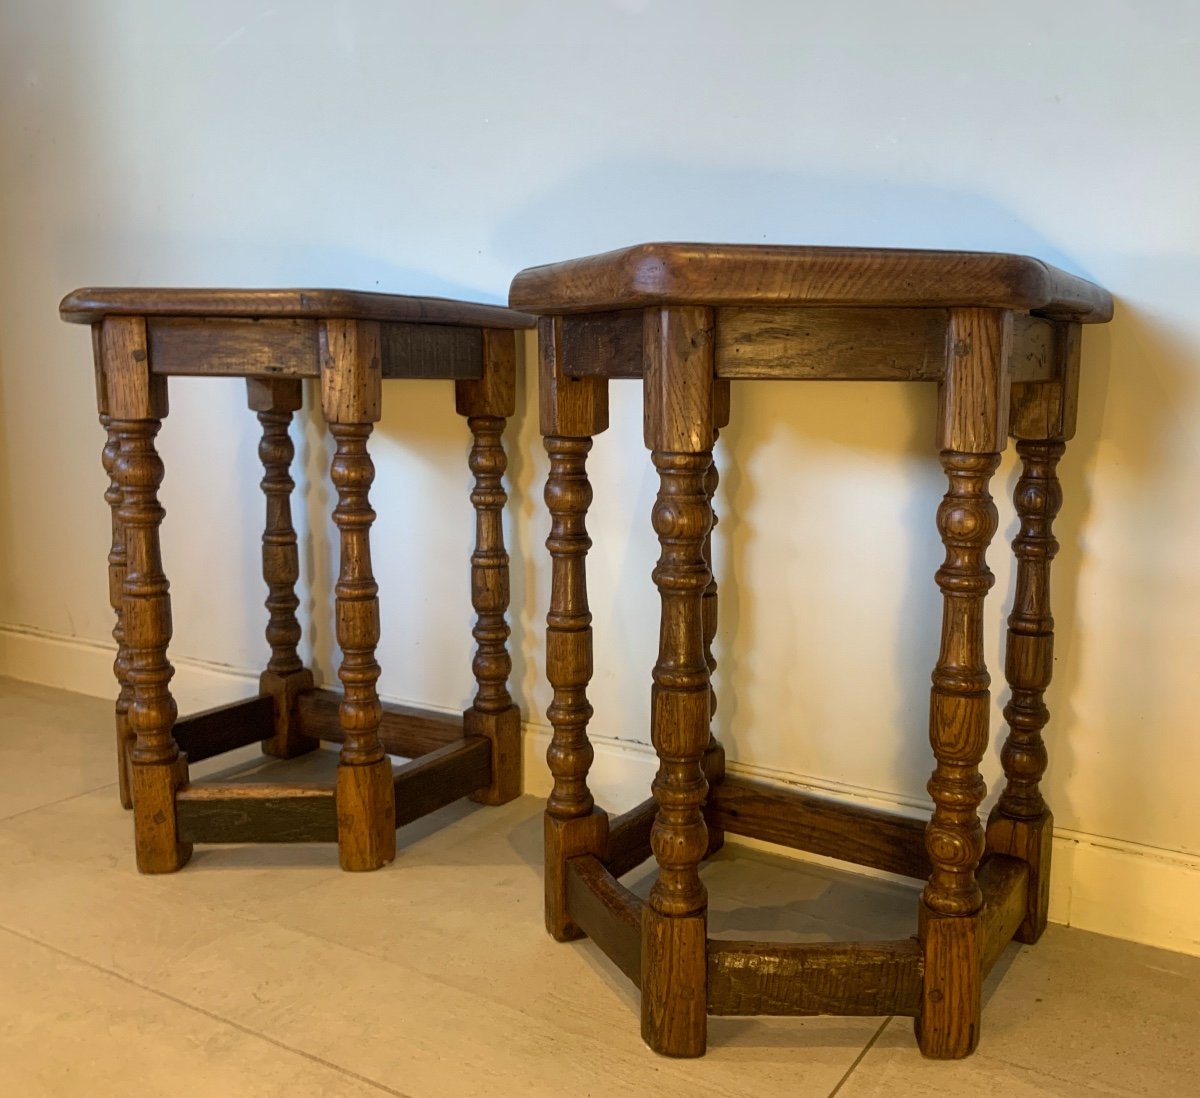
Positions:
{"x": 285, "y": 333}
{"x": 88, "y": 306}
{"x": 760, "y": 274}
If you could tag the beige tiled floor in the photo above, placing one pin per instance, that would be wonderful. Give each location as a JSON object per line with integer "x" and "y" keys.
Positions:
{"x": 266, "y": 971}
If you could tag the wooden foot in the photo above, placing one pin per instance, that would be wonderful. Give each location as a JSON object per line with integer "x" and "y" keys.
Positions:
{"x": 155, "y": 828}
{"x": 566, "y": 839}
{"x": 288, "y": 741}
{"x": 1032, "y": 842}
{"x": 504, "y": 732}
{"x": 948, "y": 1026}
{"x": 674, "y": 983}
{"x": 366, "y": 816}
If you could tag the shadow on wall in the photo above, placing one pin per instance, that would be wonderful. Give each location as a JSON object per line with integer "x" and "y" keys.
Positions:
{"x": 631, "y": 201}
{"x": 617, "y": 204}
{"x": 1137, "y": 416}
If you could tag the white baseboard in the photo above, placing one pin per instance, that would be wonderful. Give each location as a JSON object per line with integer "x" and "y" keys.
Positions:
{"x": 85, "y": 667}
{"x": 1109, "y": 886}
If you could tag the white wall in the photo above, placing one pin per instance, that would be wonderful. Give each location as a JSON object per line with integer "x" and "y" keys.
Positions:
{"x": 439, "y": 148}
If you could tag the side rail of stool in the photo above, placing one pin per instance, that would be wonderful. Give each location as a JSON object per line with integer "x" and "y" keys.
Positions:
{"x": 864, "y": 978}
{"x": 444, "y": 765}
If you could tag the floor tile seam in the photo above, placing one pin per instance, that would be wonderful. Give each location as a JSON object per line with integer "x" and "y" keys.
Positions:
{"x": 212, "y": 1015}
{"x": 861, "y": 1056}
{"x": 998, "y": 1062}
{"x": 61, "y": 800}
{"x": 1041, "y": 1072}
{"x": 433, "y": 977}
{"x": 440, "y": 981}
{"x": 261, "y": 922}
{"x": 224, "y": 909}
{"x": 488, "y": 1002}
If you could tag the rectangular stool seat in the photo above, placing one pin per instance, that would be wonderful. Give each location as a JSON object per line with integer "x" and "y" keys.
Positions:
{"x": 760, "y": 274}
{"x": 87, "y": 306}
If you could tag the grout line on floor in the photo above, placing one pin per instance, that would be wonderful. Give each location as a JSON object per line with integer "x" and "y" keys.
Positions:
{"x": 366, "y": 1080}
{"x": 1043, "y": 1074}
{"x": 859, "y": 1058}
{"x": 61, "y": 800}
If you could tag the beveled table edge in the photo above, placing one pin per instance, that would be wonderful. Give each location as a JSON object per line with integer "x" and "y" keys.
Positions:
{"x": 772, "y": 274}
{"x": 91, "y": 304}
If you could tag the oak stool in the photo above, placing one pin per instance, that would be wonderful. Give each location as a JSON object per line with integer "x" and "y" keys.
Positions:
{"x": 1000, "y": 336}
{"x": 352, "y": 342}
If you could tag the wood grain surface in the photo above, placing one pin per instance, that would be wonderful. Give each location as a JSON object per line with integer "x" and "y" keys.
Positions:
{"x": 86, "y": 306}
{"x": 793, "y": 818}
{"x": 629, "y": 838}
{"x": 845, "y": 978}
{"x": 404, "y": 730}
{"x": 751, "y": 274}
{"x": 232, "y": 347}
{"x": 1004, "y": 882}
{"x": 259, "y": 813}
{"x": 441, "y": 777}
{"x": 224, "y": 728}
{"x": 607, "y": 912}
{"x": 674, "y": 983}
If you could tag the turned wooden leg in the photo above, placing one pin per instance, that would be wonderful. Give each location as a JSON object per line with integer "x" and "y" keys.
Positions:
{"x": 137, "y": 402}
{"x": 679, "y": 432}
{"x": 958, "y": 732}
{"x": 714, "y": 754}
{"x": 1021, "y": 824}
{"x": 157, "y": 768}
{"x": 275, "y": 399}
{"x": 674, "y": 934}
{"x": 958, "y": 726}
{"x": 571, "y": 411}
{"x": 487, "y": 403}
{"x": 350, "y": 396}
{"x": 116, "y": 586}
{"x": 972, "y": 433}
